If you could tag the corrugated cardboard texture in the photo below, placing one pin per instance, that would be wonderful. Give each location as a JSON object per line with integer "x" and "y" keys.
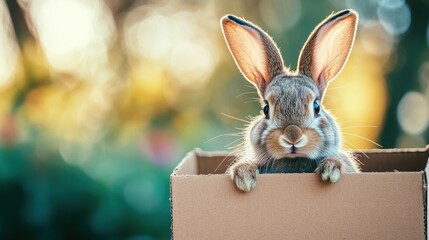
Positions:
{"x": 372, "y": 205}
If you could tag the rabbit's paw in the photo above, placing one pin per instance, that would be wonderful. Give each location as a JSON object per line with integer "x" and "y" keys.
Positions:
{"x": 329, "y": 169}
{"x": 244, "y": 176}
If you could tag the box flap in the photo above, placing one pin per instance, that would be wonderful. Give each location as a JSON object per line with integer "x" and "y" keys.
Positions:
{"x": 373, "y": 160}
{"x": 391, "y": 160}
{"x": 199, "y": 162}
{"x": 189, "y": 164}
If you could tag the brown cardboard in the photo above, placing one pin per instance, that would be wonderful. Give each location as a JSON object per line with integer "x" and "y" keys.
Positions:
{"x": 386, "y": 201}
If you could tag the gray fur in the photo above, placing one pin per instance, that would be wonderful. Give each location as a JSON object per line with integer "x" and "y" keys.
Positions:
{"x": 290, "y": 97}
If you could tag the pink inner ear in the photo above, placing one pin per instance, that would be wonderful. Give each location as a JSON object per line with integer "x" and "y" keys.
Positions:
{"x": 247, "y": 47}
{"x": 331, "y": 49}
{"x": 253, "y": 50}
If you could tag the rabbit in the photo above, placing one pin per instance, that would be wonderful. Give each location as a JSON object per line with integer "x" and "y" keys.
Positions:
{"x": 294, "y": 133}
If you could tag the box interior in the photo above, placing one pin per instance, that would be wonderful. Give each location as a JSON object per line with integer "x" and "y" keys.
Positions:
{"x": 380, "y": 160}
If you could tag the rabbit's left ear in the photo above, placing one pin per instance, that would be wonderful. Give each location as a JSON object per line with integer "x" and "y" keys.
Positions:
{"x": 328, "y": 47}
{"x": 254, "y": 52}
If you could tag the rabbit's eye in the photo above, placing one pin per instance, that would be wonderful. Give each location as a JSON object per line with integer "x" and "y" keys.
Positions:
{"x": 267, "y": 111}
{"x": 316, "y": 107}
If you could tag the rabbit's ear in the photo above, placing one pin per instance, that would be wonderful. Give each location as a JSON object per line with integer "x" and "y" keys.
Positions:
{"x": 328, "y": 47}
{"x": 253, "y": 50}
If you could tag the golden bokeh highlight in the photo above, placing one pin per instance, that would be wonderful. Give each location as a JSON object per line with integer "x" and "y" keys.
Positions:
{"x": 358, "y": 98}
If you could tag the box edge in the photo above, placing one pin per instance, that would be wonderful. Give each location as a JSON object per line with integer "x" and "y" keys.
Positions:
{"x": 174, "y": 174}
{"x": 426, "y": 196}
{"x": 203, "y": 153}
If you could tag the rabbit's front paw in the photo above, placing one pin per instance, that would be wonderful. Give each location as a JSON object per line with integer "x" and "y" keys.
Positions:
{"x": 330, "y": 169}
{"x": 244, "y": 176}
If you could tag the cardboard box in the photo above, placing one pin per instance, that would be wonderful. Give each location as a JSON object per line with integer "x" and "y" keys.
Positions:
{"x": 386, "y": 201}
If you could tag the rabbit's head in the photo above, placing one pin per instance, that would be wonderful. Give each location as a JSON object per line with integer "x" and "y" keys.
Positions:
{"x": 293, "y": 123}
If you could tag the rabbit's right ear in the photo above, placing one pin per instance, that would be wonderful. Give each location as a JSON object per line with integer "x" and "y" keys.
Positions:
{"x": 254, "y": 52}
{"x": 328, "y": 47}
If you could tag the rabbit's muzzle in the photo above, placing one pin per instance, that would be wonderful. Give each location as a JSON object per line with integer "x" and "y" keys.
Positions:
{"x": 293, "y": 134}
{"x": 293, "y": 138}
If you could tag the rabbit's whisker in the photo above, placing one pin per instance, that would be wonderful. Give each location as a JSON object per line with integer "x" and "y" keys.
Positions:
{"x": 239, "y": 119}
{"x": 364, "y": 138}
{"x": 223, "y": 135}
{"x": 360, "y": 126}
{"x": 226, "y": 157}
{"x": 348, "y": 144}
{"x": 249, "y": 86}
{"x": 338, "y": 87}
{"x": 252, "y": 100}
{"x": 245, "y": 93}
{"x": 229, "y": 146}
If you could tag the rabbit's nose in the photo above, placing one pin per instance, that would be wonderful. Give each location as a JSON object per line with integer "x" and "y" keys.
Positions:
{"x": 293, "y": 134}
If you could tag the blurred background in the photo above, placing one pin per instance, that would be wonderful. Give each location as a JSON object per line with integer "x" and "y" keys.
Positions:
{"x": 100, "y": 100}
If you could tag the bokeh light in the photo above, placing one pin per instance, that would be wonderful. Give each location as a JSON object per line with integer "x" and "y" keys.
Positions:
{"x": 349, "y": 108}
{"x": 274, "y": 12}
{"x": 375, "y": 40}
{"x": 395, "y": 16}
{"x": 413, "y": 113}
{"x": 168, "y": 38}
{"x": 75, "y": 35}
{"x": 9, "y": 52}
